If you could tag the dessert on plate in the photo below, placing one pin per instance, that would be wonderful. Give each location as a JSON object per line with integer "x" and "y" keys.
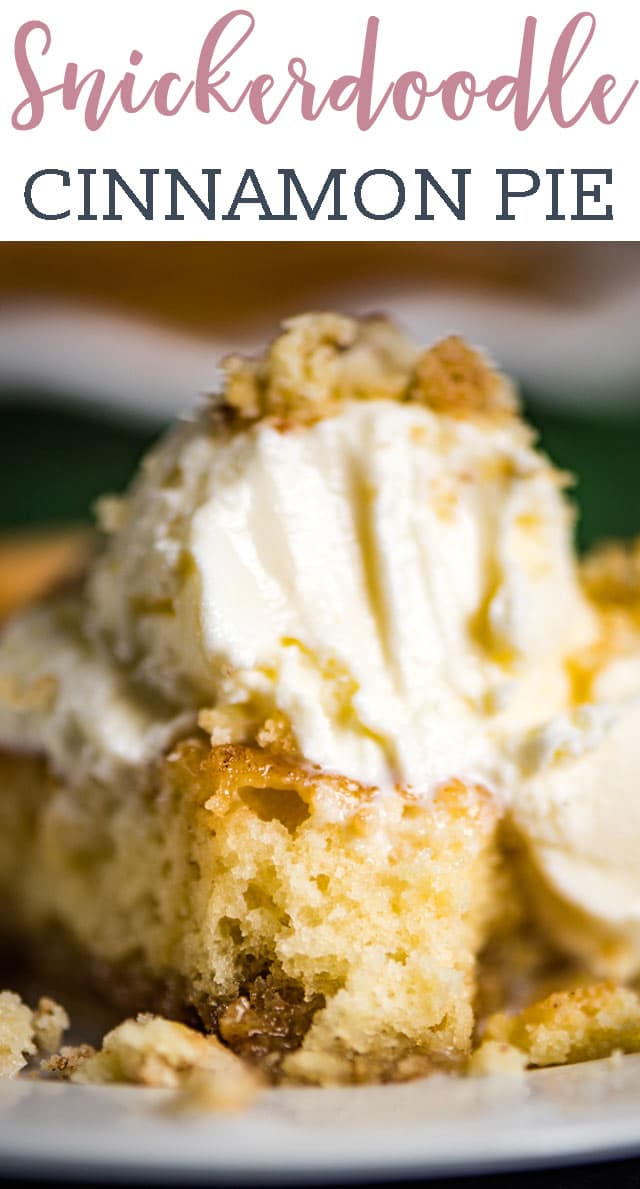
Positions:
{"x": 333, "y": 721}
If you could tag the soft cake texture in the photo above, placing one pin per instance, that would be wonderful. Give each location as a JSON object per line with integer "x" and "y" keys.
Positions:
{"x": 361, "y": 915}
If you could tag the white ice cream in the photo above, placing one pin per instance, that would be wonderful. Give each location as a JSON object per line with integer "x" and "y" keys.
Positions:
{"x": 578, "y": 807}
{"x": 398, "y": 583}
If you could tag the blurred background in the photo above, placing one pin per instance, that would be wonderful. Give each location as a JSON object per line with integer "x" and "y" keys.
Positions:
{"x": 101, "y": 345}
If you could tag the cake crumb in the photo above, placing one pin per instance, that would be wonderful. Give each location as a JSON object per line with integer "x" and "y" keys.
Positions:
{"x": 68, "y": 1060}
{"x": 24, "y": 1032}
{"x": 50, "y": 1022}
{"x": 17, "y": 1041}
{"x": 229, "y": 1089}
{"x": 317, "y": 361}
{"x": 243, "y": 724}
{"x": 454, "y": 379}
{"x": 224, "y": 724}
{"x": 497, "y": 1057}
{"x": 162, "y": 1054}
{"x": 581, "y": 1024}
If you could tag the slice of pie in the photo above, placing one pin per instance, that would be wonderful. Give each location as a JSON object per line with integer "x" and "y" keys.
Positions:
{"x": 278, "y": 764}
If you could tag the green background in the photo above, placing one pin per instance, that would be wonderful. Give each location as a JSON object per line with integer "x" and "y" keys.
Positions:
{"x": 56, "y": 461}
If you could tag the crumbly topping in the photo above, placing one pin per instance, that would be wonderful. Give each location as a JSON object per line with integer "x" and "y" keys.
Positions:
{"x": 24, "y": 1032}
{"x": 454, "y": 379}
{"x": 151, "y": 1051}
{"x": 320, "y": 360}
{"x": 581, "y": 1024}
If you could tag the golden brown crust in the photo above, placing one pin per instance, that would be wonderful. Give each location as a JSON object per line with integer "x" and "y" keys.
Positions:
{"x": 232, "y": 768}
{"x": 261, "y": 778}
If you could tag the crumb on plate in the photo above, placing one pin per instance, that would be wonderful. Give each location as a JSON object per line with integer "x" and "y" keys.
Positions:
{"x": 162, "y": 1054}
{"x": 497, "y": 1057}
{"x": 24, "y": 1032}
{"x": 582, "y": 1024}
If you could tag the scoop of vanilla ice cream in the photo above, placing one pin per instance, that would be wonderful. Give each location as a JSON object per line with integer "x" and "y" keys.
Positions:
{"x": 398, "y": 582}
{"x": 577, "y": 807}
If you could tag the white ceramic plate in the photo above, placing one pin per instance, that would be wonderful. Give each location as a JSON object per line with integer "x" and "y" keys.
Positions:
{"x": 437, "y": 1126}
